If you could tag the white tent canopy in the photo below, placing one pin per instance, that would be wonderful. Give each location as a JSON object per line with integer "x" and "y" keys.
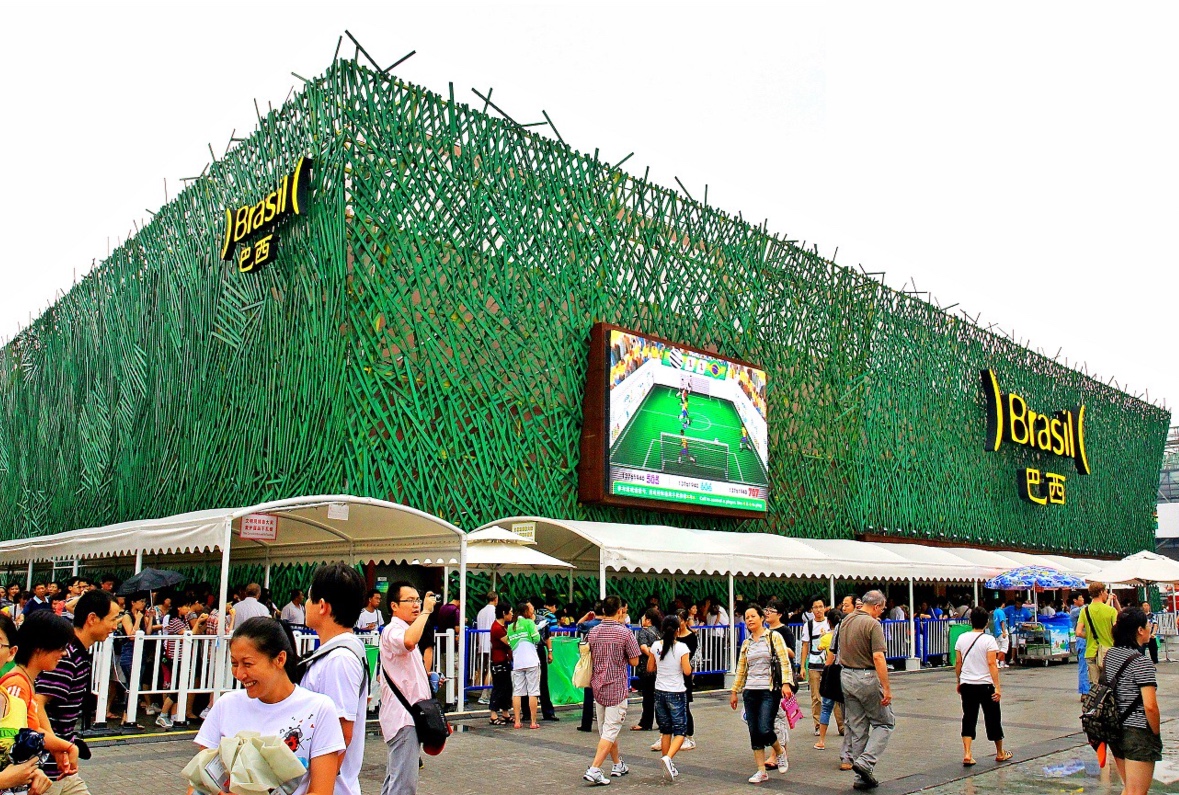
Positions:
{"x": 658, "y": 549}
{"x": 309, "y": 529}
{"x": 1143, "y": 567}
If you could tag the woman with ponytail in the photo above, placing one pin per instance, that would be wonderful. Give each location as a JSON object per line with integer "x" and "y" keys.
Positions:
{"x": 271, "y": 703}
{"x": 670, "y": 661}
{"x": 523, "y": 637}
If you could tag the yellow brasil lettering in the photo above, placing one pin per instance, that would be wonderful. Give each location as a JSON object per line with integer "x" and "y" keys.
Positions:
{"x": 1010, "y": 418}
{"x": 289, "y": 198}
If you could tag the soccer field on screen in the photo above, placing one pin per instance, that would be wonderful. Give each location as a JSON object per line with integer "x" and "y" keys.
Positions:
{"x": 713, "y": 419}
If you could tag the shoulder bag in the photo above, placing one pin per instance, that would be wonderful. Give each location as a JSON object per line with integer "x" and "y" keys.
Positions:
{"x": 830, "y": 684}
{"x": 428, "y": 720}
{"x": 583, "y": 672}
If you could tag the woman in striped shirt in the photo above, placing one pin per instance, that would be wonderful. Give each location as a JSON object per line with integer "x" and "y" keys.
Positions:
{"x": 1132, "y": 675}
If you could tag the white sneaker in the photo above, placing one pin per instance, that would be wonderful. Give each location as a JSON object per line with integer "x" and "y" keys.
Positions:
{"x": 689, "y": 744}
{"x": 594, "y": 776}
{"x": 783, "y": 764}
{"x": 164, "y": 721}
{"x": 619, "y": 769}
{"x": 760, "y": 777}
{"x": 669, "y": 770}
{"x": 151, "y": 709}
{"x": 205, "y": 712}
{"x": 657, "y": 745}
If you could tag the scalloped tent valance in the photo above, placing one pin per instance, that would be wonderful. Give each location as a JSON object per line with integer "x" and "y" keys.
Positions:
{"x": 658, "y": 549}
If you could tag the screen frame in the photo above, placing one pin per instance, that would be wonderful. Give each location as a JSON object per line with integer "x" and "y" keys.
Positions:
{"x": 593, "y": 468}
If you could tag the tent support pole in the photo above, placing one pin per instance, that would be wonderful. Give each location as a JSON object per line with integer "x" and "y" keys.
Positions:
{"x": 732, "y": 628}
{"x": 138, "y": 560}
{"x": 976, "y": 593}
{"x": 266, "y": 581}
{"x": 29, "y": 581}
{"x": 462, "y": 625}
{"x": 601, "y": 575}
{"x": 493, "y": 579}
{"x": 446, "y": 585}
{"x": 831, "y": 603}
{"x": 570, "y": 586}
{"x": 75, "y": 567}
{"x": 223, "y": 606}
{"x": 912, "y": 625}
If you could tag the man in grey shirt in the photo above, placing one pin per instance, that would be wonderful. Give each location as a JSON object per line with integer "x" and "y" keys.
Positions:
{"x": 250, "y": 607}
{"x": 867, "y": 714}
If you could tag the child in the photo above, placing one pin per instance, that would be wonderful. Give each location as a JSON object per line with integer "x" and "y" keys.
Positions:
{"x": 14, "y": 717}
{"x": 271, "y": 704}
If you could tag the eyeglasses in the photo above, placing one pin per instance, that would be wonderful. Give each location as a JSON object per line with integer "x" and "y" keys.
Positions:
{"x": 409, "y": 601}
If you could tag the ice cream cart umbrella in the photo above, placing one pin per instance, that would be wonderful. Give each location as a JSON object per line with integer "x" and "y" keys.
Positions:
{"x": 1034, "y": 579}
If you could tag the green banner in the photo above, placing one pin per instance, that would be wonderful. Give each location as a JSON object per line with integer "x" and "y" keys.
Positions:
{"x": 690, "y": 497}
{"x": 561, "y": 689}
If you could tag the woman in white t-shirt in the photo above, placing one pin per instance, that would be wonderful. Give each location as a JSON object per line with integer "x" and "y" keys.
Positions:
{"x": 977, "y": 672}
{"x": 271, "y": 704}
{"x": 670, "y": 660}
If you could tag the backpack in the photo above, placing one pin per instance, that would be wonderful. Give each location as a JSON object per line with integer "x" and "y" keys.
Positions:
{"x": 1100, "y": 717}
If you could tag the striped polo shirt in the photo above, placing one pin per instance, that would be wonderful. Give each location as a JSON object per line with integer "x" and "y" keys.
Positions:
{"x": 66, "y": 686}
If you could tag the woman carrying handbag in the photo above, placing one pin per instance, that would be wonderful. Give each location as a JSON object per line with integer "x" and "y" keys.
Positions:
{"x": 764, "y": 677}
{"x": 977, "y": 672}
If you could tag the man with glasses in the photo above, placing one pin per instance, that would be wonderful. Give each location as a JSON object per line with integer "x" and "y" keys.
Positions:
{"x": 401, "y": 666}
{"x": 867, "y": 714}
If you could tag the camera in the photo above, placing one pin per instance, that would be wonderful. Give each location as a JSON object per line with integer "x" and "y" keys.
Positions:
{"x": 29, "y": 744}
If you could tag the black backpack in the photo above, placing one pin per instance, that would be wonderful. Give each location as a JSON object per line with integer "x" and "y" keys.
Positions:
{"x": 1100, "y": 717}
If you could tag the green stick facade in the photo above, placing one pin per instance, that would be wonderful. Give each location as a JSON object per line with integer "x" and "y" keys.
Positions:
{"x": 422, "y": 334}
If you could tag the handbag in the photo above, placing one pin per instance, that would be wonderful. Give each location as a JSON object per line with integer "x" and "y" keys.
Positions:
{"x": 583, "y": 672}
{"x": 428, "y": 720}
{"x": 830, "y": 683}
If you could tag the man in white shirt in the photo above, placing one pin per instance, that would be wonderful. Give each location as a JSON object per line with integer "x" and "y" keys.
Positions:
{"x": 294, "y": 612}
{"x": 401, "y": 665}
{"x": 370, "y": 619}
{"x": 339, "y": 667}
{"x": 483, "y": 621}
{"x": 250, "y": 607}
{"x": 814, "y": 660}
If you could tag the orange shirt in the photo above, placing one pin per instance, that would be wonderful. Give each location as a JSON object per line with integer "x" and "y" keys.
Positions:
{"x": 17, "y": 684}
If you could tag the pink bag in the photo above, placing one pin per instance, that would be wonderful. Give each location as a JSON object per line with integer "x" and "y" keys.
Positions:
{"x": 793, "y": 711}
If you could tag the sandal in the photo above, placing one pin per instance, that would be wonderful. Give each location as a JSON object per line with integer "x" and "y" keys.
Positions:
{"x": 820, "y": 747}
{"x": 1004, "y": 757}
{"x": 497, "y": 722}
{"x": 968, "y": 763}
{"x": 534, "y": 726}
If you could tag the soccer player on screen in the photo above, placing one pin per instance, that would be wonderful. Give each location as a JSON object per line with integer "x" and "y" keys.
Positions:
{"x": 745, "y": 443}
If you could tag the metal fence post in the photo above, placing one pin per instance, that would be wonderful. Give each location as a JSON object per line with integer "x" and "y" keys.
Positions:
{"x": 101, "y": 667}
{"x": 183, "y": 685}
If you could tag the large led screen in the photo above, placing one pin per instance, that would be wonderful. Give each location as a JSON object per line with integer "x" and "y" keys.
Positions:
{"x": 683, "y": 428}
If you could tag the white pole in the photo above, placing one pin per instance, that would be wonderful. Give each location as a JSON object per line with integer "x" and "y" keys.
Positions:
{"x": 976, "y": 593}
{"x": 912, "y": 623}
{"x": 462, "y": 624}
{"x": 29, "y": 583}
{"x": 138, "y": 560}
{"x": 601, "y": 575}
{"x": 446, "y": 585}
{"x": 266, "y": 579}
{"x": 223, "y": 606}
{"x": 493, "y": 579}
{"x": 732, "y": 628}
{"x": 832, "y": 602}
{"x": 76, "y": 574}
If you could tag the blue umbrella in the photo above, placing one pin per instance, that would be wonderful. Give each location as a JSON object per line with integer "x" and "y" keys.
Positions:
{"x": 1034, "y": 578}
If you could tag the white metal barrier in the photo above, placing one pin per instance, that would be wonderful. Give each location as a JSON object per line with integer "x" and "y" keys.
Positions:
{"x": 896, "y": 639}
{"x": 1167, "y": 624}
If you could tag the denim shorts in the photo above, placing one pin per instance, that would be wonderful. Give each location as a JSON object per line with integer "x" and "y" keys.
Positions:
{"x": 671, "y": 712}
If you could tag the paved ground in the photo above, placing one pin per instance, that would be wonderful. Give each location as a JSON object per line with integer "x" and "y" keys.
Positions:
{"x": 1040, "y": 717}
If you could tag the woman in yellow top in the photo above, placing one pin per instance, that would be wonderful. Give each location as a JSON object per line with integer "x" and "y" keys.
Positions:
{"x": 764, "y": 674}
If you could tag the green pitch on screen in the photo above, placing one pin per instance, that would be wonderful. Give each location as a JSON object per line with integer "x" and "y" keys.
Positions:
{"x": 713, "y": 420}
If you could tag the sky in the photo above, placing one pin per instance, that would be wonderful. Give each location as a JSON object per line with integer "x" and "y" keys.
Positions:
{"x": 1018, "y": 160}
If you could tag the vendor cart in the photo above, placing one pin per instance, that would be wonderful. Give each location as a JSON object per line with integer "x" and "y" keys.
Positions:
{"x": 1042, "y": 643}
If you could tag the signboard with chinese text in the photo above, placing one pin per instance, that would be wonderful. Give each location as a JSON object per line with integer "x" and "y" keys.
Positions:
{"x": 259, "y": 527}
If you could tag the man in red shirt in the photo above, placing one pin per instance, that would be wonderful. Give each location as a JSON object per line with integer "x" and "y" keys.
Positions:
{"x": 612, "y": 648}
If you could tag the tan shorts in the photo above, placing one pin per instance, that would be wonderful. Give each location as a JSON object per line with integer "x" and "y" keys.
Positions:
{"x": 610, "y": 720}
